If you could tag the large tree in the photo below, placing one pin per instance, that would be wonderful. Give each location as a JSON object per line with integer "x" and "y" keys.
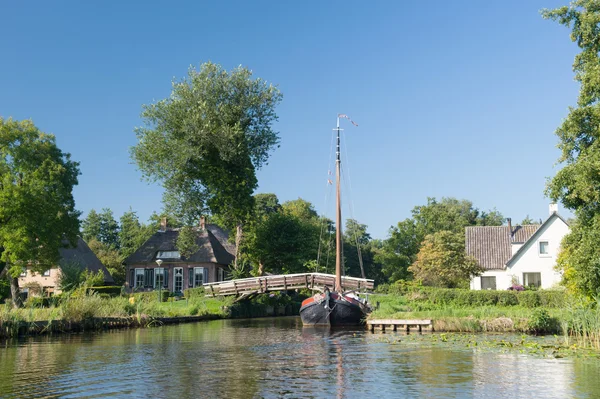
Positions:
{"x": 37, "y": 209}
{"x": 400, "y": 250}
{"x": 577, "y": 184}
{"x": 443, "y": 262}
{"x": 101, "y": 227}
{"x": 205, "y": 142}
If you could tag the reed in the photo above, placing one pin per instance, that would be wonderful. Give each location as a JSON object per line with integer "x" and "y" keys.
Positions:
{"x": 582, "y": 324}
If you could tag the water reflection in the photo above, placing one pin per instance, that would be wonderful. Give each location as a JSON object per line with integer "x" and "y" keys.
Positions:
{"x": 274, "y": 358}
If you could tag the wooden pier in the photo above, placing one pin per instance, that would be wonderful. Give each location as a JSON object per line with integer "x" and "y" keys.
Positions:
{"x": 284, "y": 282}
{"x": 407, "y": 324}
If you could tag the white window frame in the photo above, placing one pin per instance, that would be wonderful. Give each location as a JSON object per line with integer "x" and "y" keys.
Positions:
{"x": 23, "y": 272}
{"x": 139, "y": 272}
{"x": 175, "y": 275}
{"x": 46, "y": 273}
{"x": 544, "y": 254}
{"x": 221, "y": 274}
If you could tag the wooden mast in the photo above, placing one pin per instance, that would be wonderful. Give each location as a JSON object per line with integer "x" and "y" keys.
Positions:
{"x": 338, "y": 217}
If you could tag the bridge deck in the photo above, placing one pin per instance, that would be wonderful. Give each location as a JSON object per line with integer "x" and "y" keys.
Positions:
{"x": 315, "y": 281}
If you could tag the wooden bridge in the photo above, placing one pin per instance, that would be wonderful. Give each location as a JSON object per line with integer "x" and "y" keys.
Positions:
{"x": 284, "y": 282}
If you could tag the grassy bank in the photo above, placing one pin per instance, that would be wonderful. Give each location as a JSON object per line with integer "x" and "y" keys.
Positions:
{"x": 88, "y": 310}
{"x": 577, "y": 321}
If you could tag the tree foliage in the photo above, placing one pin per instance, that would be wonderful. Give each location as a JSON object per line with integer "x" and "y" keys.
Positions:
{"x": 186, "y": 241}
{"x": 577, "y": 184}
{"x": 37, "y": 209}
{"x": 101, "y": 227}
{"x": 442, "y": 261}
{"x": 111, "y": 258}
{"x": 205, "y": 142}
{"x": 400, "y": 250}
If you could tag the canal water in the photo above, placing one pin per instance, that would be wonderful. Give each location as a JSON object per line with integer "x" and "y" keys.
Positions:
{"x": 277, "y": 358}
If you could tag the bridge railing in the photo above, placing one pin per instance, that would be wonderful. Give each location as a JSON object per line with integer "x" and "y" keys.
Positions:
{"x": 283, "y": 282}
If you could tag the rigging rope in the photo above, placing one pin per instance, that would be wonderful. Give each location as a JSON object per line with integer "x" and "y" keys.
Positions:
{"x": 323, "y": 219}
{"x": 351, "y": 208}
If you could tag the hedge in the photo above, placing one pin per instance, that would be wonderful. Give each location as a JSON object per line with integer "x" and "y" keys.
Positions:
{"x": 464, "y": 297}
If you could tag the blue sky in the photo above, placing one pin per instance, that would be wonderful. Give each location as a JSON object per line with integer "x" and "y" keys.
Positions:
{"x": 453, "y": 99}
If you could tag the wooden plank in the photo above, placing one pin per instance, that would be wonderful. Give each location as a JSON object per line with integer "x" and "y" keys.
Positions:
{"x": 400, "y": 322}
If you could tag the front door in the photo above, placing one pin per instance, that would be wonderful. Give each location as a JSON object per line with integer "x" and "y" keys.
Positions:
{"x": 178, "y": 279}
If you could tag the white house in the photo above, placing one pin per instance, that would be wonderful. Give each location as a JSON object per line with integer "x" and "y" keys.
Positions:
{"x": 524, "y": 254}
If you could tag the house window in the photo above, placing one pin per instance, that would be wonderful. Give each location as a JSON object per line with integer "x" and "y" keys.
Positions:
{"x": 178, "y": 279}
{"x": 532, "y": 280}
{"x": 544, "y": 248}
{"x": 23, "y": 272}
{"x": 488, "y": 283}
{"x": 139, "y": 278}
{"x": 197, "y": 276}
{"x": 221, "y": 275}
{"x": 47, "y": 273}
{"x": 169, "y": 254}
{"x": 148, "y": 278}
{"x": 131, "y": 278}
{"x": 159, "y": 277}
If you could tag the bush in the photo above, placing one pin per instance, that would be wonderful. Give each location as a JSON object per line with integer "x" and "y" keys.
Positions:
{"x": 540, "y": 322}
{"x": 38, "y": 302}
{"x": 152, "y": 296}
{"x": 197, "y": 292}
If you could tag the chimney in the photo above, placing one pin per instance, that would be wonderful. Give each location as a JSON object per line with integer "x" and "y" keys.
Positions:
{"x": 553, "y": 208}
{"x": 202, "y": 223}
{"x": 510, "y": 231}
{"x": 163, "y": 224}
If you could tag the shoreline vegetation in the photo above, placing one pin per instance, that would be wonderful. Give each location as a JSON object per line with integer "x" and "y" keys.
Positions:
{"x": 574, "y": 322}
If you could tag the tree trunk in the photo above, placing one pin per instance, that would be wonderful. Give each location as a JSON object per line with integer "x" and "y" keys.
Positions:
{"x": 14, "y": 291}
{"x": 238, "y": 242}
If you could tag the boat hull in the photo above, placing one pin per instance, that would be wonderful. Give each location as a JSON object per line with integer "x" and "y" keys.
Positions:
{"x": 332, "y": 309}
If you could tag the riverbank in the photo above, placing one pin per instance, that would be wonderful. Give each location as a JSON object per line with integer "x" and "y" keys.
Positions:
{"x": 94, "y": 312}
{"x": 576, "y": 320}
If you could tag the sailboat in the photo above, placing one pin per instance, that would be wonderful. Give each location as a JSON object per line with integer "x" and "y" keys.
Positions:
{"x": 335, "y": 307}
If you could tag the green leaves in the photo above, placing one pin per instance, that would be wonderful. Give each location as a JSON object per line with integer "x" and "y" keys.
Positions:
{"x": 37, "y": 209}
{"x": 442, "y": 261}
{"x": 205, "y": 142}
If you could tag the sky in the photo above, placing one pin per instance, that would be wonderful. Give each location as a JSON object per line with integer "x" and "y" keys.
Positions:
{"x": 453, "y": 99}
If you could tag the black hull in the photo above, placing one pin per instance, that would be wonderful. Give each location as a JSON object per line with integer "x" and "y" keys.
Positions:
{"x": 340, "y": 312}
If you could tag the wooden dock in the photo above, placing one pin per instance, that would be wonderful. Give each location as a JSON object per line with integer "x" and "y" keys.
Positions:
{"x": 394, "y": 323}
{"x": 284, "y": 282}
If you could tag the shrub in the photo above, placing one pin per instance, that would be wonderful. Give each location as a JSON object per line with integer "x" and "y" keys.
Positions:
{"x": 540, "y": 322}
{"x": 38, "y": 302}
{"x": 197, "y": 292}
{"x": 152, "y": 296}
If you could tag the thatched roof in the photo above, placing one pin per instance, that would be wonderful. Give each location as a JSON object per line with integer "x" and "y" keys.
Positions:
{"x": 83, "y": 256}
{"x": 212, "y": 242}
